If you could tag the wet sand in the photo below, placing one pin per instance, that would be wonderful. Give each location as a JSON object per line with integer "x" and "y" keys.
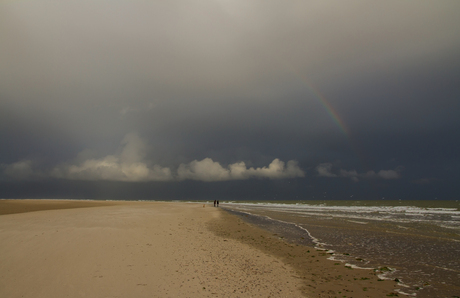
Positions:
{"x": 320, "y": 276}
{"x": 151, "y": 249}
{"x": 422, "y": 258}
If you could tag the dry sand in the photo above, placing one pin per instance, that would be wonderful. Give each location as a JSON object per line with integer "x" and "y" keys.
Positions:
{"x": 150, "y": 249}
{"x": 132, "y": 250}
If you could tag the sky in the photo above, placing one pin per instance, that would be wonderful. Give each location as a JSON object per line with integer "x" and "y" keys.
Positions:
{"x": 237, "y": 100}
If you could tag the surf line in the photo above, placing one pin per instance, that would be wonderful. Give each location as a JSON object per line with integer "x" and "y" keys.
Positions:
{"x": 318, "y": 244}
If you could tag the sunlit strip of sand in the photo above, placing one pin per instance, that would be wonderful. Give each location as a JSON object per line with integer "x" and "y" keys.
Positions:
{"x": 133, "y": 249}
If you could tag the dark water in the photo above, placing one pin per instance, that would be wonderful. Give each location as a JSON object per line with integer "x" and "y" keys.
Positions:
{"x": 416, "y": 242}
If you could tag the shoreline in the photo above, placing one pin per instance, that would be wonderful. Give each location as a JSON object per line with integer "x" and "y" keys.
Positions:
{"x": 321, "y": 277}
{"x": 418, "y": 252}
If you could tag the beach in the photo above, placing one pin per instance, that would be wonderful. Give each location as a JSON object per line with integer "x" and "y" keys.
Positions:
{"x": 160, "y": 249}
{"x": 131, "y": 249}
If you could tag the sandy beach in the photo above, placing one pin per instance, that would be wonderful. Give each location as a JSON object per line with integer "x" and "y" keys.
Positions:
{"x": 153, "y": 249}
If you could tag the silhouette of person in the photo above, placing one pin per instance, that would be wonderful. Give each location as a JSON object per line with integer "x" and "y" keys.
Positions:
{"x": 214, "y": 203}
{"x": 217, "y": 203}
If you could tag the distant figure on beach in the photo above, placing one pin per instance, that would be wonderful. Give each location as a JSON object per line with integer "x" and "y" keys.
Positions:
{"x": 214, "y": 203}
{"x": 217, "y": 203}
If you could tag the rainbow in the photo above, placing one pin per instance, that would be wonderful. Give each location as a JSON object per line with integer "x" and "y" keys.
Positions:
{"x": 336, "y": 118}
{"x": 340, "y": 124}
{"x": 327, "y": 106}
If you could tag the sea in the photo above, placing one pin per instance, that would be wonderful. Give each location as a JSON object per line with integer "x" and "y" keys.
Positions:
{"x": 415, "y": 243}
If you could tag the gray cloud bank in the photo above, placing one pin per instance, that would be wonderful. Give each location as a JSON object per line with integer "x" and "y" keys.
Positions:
{"x": 19, "y": 170}
{"x": 130, "y": 166}
{"x": 325, "y": 170}
{"x": 115, "y": 169}
{"x": 208, "y": 170}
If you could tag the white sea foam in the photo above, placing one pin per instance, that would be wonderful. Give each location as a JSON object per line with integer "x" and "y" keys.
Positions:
{"x": 404, "y": 293}
{"x": 357, "y": 267}
{"x": 445, "y": 217}
{"x": 358, "y": 222}
{"x": 357, "y": 209}
{"x": 318, "y": 244}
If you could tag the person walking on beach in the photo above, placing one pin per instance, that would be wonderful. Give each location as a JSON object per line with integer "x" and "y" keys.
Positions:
{"x": 217, "y": 203}
{"x": 214, "y": 203}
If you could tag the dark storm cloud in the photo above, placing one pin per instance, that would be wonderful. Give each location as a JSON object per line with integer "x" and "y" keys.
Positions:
{"x": 209, "y": 87}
